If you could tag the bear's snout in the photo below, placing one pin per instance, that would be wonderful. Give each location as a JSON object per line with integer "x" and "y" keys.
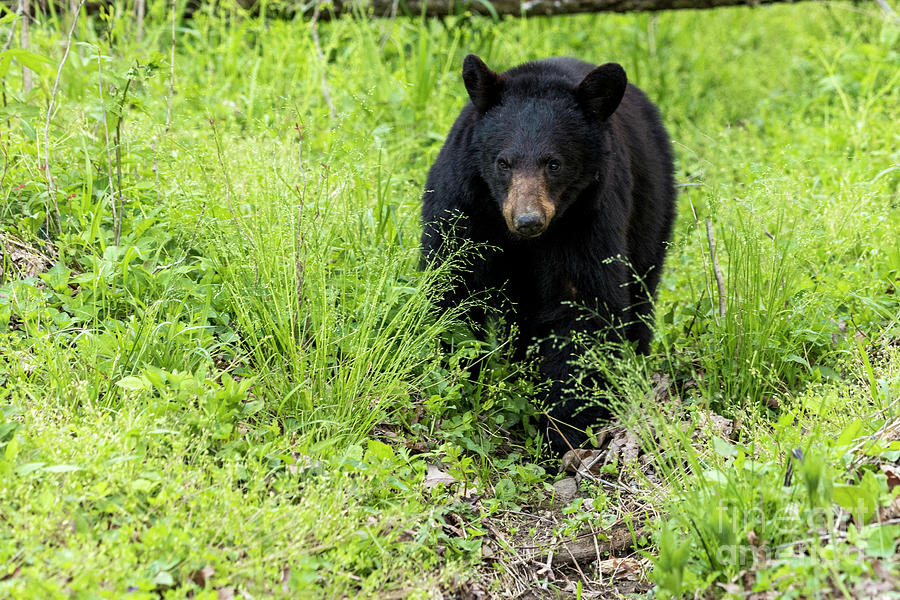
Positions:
{"x": 530, "y": 224}
{"x": 528, "y": 209}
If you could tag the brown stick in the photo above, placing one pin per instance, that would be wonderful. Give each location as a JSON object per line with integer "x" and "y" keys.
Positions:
{"x": 720, "y": 281}
{"x": 586, "y": 548}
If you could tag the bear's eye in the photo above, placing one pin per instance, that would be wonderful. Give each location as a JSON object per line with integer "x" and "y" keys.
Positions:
{"x": 503, "y": 164}
{"x": 553, "y": 165}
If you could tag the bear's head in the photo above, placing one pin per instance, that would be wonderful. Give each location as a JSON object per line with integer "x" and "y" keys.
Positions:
{"x": 542, "y": 140}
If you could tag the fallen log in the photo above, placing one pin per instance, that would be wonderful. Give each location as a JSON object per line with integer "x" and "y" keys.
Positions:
{"x": 413, "y": 8}
{"x": 496, "y": 8}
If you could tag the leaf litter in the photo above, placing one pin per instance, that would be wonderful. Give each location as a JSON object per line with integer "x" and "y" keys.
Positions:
{"x": 561, "y": 545}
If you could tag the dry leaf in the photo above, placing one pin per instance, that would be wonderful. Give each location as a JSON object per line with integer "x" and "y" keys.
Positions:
{"x": 26, "y": 261}
{"x": 628, "y": 569}
{"x": 731, "y": 588}
{"x": 624, "y": 447}
{"x": 660, "y": 392}
{"x": 710, "y": 422}
{"x": 434, "y": 476}
{"x": 580, "y": 458}
{"x": 225, "y": 593}
{"x": 893, "y": 474}
{"x": 202, "y": 576}
{"x": 882, "y": 585}
{"x": 889, "y": 512}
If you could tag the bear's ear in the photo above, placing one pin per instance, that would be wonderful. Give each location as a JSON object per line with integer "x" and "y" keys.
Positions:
{"x": 484, "y": 86}
{"x": 601, "y": 91}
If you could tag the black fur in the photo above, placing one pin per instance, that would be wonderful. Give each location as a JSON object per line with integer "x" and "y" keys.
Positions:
{"x": 594, "y": 145}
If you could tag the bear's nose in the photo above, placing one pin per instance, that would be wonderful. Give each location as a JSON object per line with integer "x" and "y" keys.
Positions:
{"x": 529, "y": 224}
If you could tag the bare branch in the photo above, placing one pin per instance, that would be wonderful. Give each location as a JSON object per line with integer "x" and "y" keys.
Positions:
{"x": 720, "y": 281}
{"x": 51, "y": 188}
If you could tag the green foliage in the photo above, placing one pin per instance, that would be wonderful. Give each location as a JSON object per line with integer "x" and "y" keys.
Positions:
{"x": 212, "y": 314}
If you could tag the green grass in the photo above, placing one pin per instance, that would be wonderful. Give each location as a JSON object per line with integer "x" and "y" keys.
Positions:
{"x": 252, "y": 378}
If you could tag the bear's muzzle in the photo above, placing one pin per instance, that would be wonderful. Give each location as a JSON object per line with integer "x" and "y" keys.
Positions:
{"x": 528, "y": 209}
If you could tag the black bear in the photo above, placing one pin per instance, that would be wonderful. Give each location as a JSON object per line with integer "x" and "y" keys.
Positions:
{"x": 561, "y": 171}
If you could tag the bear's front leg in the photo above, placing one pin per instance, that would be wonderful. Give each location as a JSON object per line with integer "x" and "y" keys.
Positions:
{"x": 567, "y": 414}
{"x": 562, "y": 344}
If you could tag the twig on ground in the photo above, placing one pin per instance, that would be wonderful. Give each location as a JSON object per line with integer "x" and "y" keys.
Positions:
{"x": 596, "y": 545}
{"x": 315, "y": 35}
{"x": 720, "y": 281}
{"x": 594, "y": 460}
{"x": 525, "y": 514}
{"x": 555, "y": 426}
{"x": 51, "y": 188}
{"x": 548, "y": 566}
{"x": 575, "y": 561}
{"x": 9, "y": 239}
